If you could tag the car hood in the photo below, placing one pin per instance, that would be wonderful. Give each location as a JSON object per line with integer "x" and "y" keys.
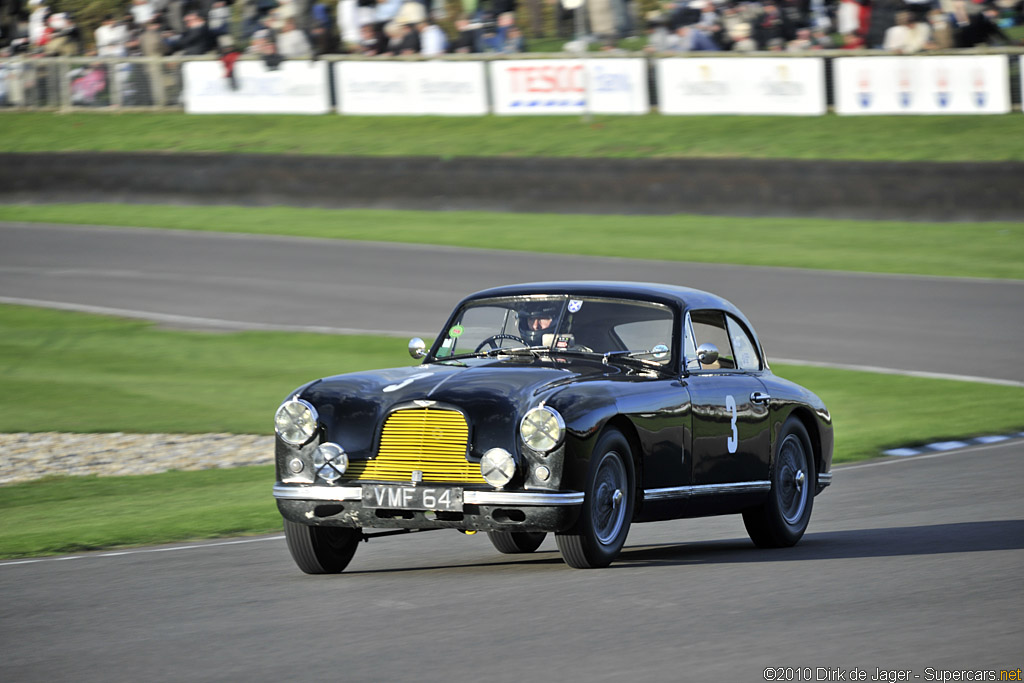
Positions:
{"x": 493, "y": 393}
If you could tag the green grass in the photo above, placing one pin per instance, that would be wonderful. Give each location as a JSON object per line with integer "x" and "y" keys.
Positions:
{"x": 71, "y": 514}
{"x": 75, "y": 372}
{"x": 993, "y": 250}
{"x": 887, "y": 138}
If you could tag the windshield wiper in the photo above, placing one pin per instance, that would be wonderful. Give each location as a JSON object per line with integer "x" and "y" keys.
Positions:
{"x": 507, "y": 350}
{"x": 633, "y": 356}
{"x": 512, "y": 350}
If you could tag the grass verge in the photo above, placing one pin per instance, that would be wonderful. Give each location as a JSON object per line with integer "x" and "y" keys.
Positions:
{"x": 72, "y": 514}
{"x": 993, "y": 250}
{"x": 881, "y": 138}
{"x": 75, "y": 372}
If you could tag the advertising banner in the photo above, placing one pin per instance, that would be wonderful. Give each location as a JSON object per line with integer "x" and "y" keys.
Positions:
{"x": 411, "y": 88}
{"x": 742, "y": 85}
{"x": 570, "y": 86}
{"x": 969, "y": 84}
{"x": 295, "y": 87}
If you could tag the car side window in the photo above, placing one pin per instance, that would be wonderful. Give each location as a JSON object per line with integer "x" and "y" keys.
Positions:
{"x": 647, "y": 334}
{"x": 709, "y": 327}
{"x": 747, "y": 357}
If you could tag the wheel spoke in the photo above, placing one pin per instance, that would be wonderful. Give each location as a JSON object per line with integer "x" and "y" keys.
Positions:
{"x": 608, "y": 512}
{"x": 792, "y": 480}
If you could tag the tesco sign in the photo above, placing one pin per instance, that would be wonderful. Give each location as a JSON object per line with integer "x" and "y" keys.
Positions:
{"x": 569, "y": 86}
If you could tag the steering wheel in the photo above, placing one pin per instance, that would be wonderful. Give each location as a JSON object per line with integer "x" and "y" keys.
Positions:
{"x": 496, "y": 338}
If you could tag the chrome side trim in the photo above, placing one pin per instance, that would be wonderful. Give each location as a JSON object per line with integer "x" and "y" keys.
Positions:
{"x": 283, "y": 492}
{"x": 515, "y": 498}
{"x": 825, "y": 479}
{"x": 340, "y": 493}
{"x": 706, "y": 490}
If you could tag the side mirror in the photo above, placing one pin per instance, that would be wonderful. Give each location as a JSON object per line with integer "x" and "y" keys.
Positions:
{"x": 417, "y": 348}
{"x": 707, "y": 353}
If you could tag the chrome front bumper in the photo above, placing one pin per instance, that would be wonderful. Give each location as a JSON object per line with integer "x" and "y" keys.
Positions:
{"x": 469, "y": 497}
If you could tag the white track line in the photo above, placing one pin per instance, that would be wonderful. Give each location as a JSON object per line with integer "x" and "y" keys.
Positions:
{"x": 221, "y": 324}
{"x": 924, "y": 456}
{"x": 193, "y": 321}
{"x": 905, "y": 373}
{"x": 141, "y": 551}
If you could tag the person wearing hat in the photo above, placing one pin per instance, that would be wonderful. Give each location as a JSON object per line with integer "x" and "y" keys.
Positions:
{"x": 536, "y": 320}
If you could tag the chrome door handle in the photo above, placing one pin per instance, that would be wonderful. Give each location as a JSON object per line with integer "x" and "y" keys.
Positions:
{"x": 759, "y": 397}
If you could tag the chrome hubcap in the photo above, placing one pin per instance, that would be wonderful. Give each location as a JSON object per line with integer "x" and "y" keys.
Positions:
{"x": 608, "y": 511}
{"x": 792, "y": 481}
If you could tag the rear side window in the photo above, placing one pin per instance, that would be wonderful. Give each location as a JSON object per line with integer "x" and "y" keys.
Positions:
{"x": 747, "y": 357}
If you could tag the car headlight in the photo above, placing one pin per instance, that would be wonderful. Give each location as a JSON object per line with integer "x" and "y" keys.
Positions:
{"x": 542, "y": 429}
{"x": 296, "y": 421}
{"x": 497, "y": 467}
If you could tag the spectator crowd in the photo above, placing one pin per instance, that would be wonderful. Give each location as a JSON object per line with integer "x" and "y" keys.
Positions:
{"x": 901, "y": 26}
{"x": 302, "y": 29}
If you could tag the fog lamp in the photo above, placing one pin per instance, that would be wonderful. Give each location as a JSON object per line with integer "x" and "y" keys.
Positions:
{"x": 497, "y": 467}
{"x": 330, "y": 461}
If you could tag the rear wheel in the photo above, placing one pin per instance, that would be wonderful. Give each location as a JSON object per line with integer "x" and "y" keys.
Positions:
{"x": 599, "y": 534}
{"x": 516, "y": 542}
{"x": 321, "y": 549}
{"x": 783, "y": 518}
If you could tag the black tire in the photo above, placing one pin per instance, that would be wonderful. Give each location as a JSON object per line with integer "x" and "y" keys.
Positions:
{"x": 321, "y": 549}
{"x": 516, "y": 542}
{"x": 599, "y": 534}
{"x": 781, "y": 521}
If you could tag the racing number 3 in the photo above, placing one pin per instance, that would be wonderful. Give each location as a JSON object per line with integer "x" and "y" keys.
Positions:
{"x": 734, "y": 439}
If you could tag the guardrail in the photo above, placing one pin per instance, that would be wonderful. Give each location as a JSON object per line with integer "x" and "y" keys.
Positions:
{"x": 983, "y": 81}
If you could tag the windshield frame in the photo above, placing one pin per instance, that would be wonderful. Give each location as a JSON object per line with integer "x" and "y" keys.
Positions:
{"x": 563, "y": 299}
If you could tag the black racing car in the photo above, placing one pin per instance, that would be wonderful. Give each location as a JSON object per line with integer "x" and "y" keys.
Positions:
{"x": 573, "y": 408}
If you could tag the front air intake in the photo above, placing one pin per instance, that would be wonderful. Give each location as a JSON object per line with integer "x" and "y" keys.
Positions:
{"x": 426, "y": 440}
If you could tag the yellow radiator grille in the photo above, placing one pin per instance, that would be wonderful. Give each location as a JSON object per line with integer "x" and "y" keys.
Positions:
{"x": 431, "y": 441}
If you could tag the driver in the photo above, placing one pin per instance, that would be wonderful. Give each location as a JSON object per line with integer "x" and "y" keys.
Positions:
{"x": 537, "y": 320}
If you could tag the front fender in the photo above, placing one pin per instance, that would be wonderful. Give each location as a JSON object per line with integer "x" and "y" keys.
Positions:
{"x": 586, "y": 416}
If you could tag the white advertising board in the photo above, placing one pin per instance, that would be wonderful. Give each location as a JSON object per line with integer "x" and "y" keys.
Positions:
{"x": 411, "y": 88}
{"x": 295, "y": 87}
{"x": 570, "y": 86}
{"x": 969, "y": 84}
{"x": 742, "y": 85}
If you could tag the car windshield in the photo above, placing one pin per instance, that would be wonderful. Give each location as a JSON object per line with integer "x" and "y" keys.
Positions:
{"x": 567, "y": 324}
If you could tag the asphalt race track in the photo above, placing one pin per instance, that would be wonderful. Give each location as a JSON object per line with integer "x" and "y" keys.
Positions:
{"x": 910, "y": 564}
{"x": 923, "y": 324}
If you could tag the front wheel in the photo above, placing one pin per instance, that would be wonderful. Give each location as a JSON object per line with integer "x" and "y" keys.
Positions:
{"x": 599, "y": 534}
{"x": 321, "y": 549}
{"x": 783, "y": 518}
{"x": 516, "y": 542}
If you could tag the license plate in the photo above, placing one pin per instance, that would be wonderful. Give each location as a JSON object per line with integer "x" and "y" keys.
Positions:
{"x": 412, "y": 497}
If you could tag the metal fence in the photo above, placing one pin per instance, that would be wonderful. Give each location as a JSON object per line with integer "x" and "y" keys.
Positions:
{"x": 155, "y": 83}
{"x": 74, "y": 83}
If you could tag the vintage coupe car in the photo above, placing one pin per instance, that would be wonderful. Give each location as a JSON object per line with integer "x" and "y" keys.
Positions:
{"x": 573, "y": 408}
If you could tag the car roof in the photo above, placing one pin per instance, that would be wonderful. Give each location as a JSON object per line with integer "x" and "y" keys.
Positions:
{"x": 684, "y": 298}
